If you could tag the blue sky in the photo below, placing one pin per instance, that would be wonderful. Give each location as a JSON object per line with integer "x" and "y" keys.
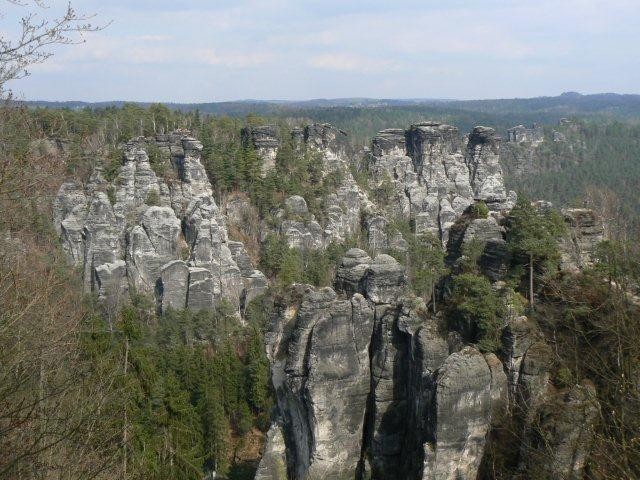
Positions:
{"x": 197, "y": 50}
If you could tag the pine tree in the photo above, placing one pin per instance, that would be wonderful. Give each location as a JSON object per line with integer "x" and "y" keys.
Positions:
{"x": 533, "y": 235}
{"x": 426, "y": 264}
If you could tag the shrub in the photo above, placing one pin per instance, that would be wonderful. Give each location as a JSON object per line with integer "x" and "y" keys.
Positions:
{"x": 153, "y": 198}
{"x": 479, "y": 210}
{"x": 477, "y": 311}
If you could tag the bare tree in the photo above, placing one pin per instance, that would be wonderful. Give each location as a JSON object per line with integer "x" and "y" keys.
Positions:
{"x": 36, "y": 35}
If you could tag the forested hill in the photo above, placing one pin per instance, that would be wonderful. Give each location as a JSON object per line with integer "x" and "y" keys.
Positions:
{"x": 364, "y": 117}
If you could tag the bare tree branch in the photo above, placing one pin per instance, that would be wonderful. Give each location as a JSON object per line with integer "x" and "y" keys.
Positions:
{"x": 37, "y": 35}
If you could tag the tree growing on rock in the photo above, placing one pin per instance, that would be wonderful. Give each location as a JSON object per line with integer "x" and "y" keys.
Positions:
{"x": 426, "y": 265}
{"x": 532, "y": 237}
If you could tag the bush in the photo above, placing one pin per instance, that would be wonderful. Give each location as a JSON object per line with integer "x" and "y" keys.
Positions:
{"x": 479, "y": 210}
{"x": 477, "y": 311}
{"x": 153, "y": 198}
{"x": 111, "y": 193}
{"x": 157, "y": 162}
{"x": 112, "y": 164}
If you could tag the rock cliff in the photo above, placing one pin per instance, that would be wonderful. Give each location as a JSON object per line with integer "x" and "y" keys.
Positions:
{"x": 368, "y": 386}
{"x": 163, "y": 236}
{"x": 434, "y": 174}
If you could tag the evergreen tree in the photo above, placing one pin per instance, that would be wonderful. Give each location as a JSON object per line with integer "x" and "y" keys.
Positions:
{"x": 533, "y": 235}
{"x": 426, "y": 265}
{"x": 477, "y": 310}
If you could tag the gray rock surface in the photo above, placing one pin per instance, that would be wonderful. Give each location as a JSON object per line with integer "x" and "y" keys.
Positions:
{"x": 264, "y": 139}
{"x": 585, "y": 232}
{"x": 273, "y": 464}
{"x": 368, "y": 385}
{"x": 141, "y": 233}
{"x": 559, "y": 445}
{"x": 521, "y": 134}
{"x": 434, "y": 175}
{"x": 463, "y": 425}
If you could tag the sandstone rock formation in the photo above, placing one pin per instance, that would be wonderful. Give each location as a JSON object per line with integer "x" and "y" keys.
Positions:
{"x": 264, "y": 139}
{"x": 369, "y": 384}
{"x": 163, "y": 236}
{"x": 435, "y": 176}
{"x": 521, "y": 134}
{"x": 585, "y": 232}
{"x": 368, "y": 387}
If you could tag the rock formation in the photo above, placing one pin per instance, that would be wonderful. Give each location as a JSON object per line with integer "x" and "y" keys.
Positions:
{"x": 368, "y": 387}
{"x": 585, "y": 232}
{"x": 521, "y": 134}
{"x": 368, "y": 383}
{"x": 264, "y": 139}
{"x": 435, "y": 176}
{"x": 141, "y": 233}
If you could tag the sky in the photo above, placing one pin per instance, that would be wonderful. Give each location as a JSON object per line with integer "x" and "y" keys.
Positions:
{"x": 219, "y": 50}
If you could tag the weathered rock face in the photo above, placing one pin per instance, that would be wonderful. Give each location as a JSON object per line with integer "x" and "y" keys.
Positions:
{"x": 273, "y": 464}
{"x": 434, "y": 177}
{"x": 330, "y": 142}
{"x": 264, "y": 139}
{"x": 521, "y": 134}
{"x": 486, "y": 236}
{"x": 140, "y": 233}
{"x": 321, "y": 376}
{"x": 485, "y": 173}
{"x": 368, "y": 387}
{"x": 342, "y": 208}
{"x": 585, "y": 232}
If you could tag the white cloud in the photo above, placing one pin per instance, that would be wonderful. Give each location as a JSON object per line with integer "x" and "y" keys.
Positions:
{"x": 348, "y": 62}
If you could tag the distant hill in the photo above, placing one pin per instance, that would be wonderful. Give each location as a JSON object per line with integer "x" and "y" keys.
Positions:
{"x": 569, "y": 103}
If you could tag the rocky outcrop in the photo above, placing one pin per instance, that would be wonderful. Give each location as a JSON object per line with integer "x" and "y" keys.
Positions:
{"x": 559, "y": 444}
{"x": 142, "y": 233}
{"x": 264, "y": 139}
{"x": 434, "y": 176}
{"x": 585, "y": 231}
{"x": 369, "y": 387}
{"x": 483, "y": 237}
{"x": 483, "y": 161}
{"x": 273, "y": 464}
{"x": 321, "y": 377}
{"x": 330, "y": 142}
{"x": 343, "y": 207}
{"x": 521, "y": 134}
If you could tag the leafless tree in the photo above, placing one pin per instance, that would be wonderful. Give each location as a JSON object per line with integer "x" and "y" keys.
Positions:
{"x": 36, "y": 35}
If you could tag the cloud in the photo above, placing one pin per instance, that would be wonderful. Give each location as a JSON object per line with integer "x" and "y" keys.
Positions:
{"x": 232, "y": 59}
{"x": 348, "y": 62}
{"x": 409, "y": 48}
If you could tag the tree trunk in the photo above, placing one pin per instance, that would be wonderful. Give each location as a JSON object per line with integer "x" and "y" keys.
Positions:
{"x": 531, "y": 279}
{"x": 433, "y": 296}
{"x": 125, "y": 432}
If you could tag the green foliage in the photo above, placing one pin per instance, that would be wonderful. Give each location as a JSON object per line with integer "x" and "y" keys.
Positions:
{"x": 471, "y": 253}
{"x": 291, "y": 265}
{"x": 532, "y": 239}
{"x": 112, "y": 165}
{"x": 111, "y": 194}
{"x": 426, "y": 263}
{"x": 477, "y": 310}
{"x": 564, "y": 378}
{"x": 153, "y": 198}
{"x": 534, "y": 233}
{"x": 602, "y": 153}
{"x": 156, "y": 160}
{"x": 190, "y": 383}
{"x": 479, "y": 210}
